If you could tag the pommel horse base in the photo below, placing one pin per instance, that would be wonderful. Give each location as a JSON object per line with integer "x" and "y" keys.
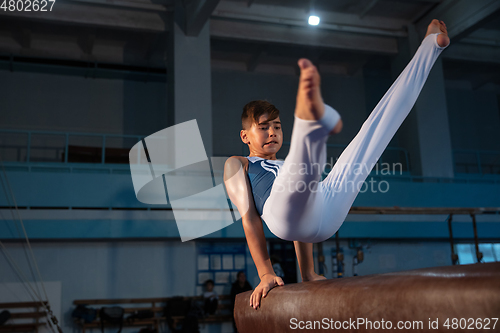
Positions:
{"x": 422, "y": 300}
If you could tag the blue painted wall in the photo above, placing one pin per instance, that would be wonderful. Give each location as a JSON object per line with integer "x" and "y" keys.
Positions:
{"x": 474, "y": 119}
{"x": 115, "y": 190}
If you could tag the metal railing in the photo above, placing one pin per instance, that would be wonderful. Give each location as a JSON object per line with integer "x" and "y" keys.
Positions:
{"x": 471, "y": 162}
{"x": 58, "y": 149}
{"x": 480, "y": 162}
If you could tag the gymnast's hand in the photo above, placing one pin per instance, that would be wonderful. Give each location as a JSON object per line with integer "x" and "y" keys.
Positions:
{"x": 268, "y": 282}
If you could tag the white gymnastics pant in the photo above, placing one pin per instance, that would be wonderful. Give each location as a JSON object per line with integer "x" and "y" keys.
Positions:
{"x": 304, "y": 208}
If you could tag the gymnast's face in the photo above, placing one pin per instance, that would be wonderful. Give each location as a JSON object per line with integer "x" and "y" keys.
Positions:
{"x": 264, "y": 138}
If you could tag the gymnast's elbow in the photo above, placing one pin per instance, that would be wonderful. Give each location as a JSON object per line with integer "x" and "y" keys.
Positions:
{"x": 251, "y": 220}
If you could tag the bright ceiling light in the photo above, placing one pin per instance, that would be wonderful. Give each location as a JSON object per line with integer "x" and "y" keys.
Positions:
{"x": 313, "y": 20}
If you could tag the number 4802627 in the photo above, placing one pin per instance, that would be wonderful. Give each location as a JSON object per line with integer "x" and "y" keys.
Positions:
{"x": 27, "y": 5}
{"x": 470, "y": 323}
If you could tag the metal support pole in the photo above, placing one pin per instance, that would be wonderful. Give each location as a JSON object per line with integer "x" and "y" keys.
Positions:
{"x": 321, "y": 259}
{"x": 103, "y": 152}
{"x": 479, "y": 255}
{"x": 28, "y": 149}
{"x": 340, "y": 257}
{"x": 454, "y": 256}
{"x": 478, "y": 160}
{"x": 66, "y": 148}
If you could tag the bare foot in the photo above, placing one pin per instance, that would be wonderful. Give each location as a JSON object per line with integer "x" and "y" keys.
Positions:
{"x": 313, "y": 277}
{"x": 435, "y": 27}
{"x": 309, "y": 102}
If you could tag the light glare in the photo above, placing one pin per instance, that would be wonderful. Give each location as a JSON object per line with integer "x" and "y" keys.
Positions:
{"x": 313, "y": 20}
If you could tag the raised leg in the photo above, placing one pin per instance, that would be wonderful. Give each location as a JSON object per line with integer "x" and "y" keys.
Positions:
{"x": 355, "y": 163}
{"x": 290, "y": 212}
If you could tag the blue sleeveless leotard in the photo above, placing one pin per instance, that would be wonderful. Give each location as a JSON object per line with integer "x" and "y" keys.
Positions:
{"x": 262, "y": 173}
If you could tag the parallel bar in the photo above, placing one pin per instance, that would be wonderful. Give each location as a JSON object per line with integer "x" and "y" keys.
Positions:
{"x": 135, "y": 300}
{"x": 422, "y": 210}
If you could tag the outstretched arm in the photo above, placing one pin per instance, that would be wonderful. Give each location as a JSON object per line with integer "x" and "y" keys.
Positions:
{"x": 238, "y": 189}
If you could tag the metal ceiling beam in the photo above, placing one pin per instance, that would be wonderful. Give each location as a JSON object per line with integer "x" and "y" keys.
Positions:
{"x": 420, "y": 13}
{"x": 287, "y": 16}
{"x": 368, "y": 7}
{"x": 474, "y": 53}
{"x": 96, "y": 16}
{"x": 197, "y": 14}
{"x": 483, "y": 37}
{"x": 144, "y": 4}
{"x": 117, "y": 16}
{"x": 301, "y": 36}
{"x": 460, "y": 16}
{"x": 90, "y": 15}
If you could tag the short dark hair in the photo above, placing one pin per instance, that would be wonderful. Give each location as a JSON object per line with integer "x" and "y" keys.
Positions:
{"x": 209, "y": 281}
{"x": 253, "y": 110}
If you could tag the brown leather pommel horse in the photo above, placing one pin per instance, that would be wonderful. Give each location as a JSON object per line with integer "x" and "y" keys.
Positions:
{"x": 439, "y": 299}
